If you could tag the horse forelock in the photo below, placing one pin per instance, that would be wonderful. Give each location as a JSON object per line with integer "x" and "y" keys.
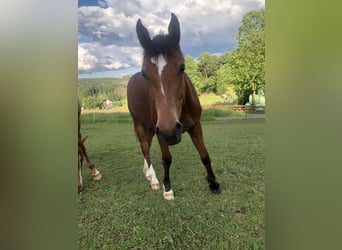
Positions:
{"x": 161, "y": 45}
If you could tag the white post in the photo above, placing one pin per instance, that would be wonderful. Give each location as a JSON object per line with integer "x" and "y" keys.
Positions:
{"x": 246, "y": 108}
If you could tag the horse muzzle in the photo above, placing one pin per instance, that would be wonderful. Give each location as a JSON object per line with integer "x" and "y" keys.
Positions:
{"x": 170, "y": 138}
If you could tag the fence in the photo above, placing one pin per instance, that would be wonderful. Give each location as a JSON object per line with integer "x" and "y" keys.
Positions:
{"x": 250, "y": 111}
{"x": 237, "y": 108}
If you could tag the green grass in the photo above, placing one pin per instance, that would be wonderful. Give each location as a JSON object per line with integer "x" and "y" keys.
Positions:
{"x": 106, "y": 117}
{"x": 122, "y": 212}
{"x": 209, "y": 99}
{"x": 212, "y": 113}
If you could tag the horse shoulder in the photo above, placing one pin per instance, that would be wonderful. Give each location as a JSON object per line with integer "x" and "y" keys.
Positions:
{"x": 139, "y": 102}
{"x": 191, "y": 98}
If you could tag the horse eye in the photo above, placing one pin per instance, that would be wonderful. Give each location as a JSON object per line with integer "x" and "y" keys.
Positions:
{"x": 181, "y": 68}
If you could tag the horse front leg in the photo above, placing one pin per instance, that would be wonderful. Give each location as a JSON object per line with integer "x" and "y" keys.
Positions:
{"x": 150, "y": 173}
{"x": 167, "y": 159}
{"x": 145, "y": 136}
{"x": 197, "y": 139}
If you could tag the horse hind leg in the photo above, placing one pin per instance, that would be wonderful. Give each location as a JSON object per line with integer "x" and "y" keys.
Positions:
{"x": 94, "y": 172}
{"x": 79, "y": 175}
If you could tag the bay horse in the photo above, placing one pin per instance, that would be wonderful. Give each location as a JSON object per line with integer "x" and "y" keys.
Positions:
{"x": 82, "y": 154}
{"x": 163, "y": 101}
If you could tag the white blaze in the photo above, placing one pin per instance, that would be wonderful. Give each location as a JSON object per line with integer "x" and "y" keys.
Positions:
{"x": 160, "y": 62}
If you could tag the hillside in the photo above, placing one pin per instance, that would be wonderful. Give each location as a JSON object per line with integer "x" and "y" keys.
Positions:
{"x": 114, "y": 89}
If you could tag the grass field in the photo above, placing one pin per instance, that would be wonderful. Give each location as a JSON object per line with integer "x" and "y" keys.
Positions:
{"x": 122, "y": 212}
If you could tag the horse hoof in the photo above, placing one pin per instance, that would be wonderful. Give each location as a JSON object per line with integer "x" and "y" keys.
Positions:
{"x": 97, "y": 177}
{"x": 168, "y": 195}
{"x": 215, "y": 189}
{"x": 155, "y": 186}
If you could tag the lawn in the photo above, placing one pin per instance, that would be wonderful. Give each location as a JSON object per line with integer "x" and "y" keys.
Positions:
{"x": 122, "y": 212}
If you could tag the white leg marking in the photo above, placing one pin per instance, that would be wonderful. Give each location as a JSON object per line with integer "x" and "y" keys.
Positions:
{"x": 145, "y": 170}
{"x": 168, "y": 195}
{"x": 150, "y": 175}
{"x": 80, "y": 176}
{"x": 96, "y": 172}
{"x": 160, "y": 62}
{"x": 96, "y": 175}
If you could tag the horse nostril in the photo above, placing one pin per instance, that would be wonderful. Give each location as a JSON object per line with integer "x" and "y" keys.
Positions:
{"x": 179, "y": 127}
{"x": 170, "y": 138}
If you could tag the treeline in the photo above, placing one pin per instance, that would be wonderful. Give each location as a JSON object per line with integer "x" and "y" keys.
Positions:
{"x": 243, "y": 68}
{"x": 94, "y": 92}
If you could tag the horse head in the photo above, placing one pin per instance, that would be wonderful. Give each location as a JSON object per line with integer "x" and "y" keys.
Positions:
{"x": 163, "y": 68}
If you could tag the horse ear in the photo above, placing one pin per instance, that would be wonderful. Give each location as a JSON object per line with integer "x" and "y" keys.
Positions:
{"x": 174, "y": 29}
{"x": 143, "y": 36}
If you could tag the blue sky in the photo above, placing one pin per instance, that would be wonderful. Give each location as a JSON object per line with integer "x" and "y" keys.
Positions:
{"x": 108, "y": 45}
{"x": 88, "y": 3}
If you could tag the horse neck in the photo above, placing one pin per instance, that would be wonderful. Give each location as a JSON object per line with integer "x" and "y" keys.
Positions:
{"x": 190, "y": 90}
{"x": 191, "y": 103}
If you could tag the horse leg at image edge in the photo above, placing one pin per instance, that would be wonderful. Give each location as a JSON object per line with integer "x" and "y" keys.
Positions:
{"x": 79, "y": 175}
{"x": 94, "y": 172}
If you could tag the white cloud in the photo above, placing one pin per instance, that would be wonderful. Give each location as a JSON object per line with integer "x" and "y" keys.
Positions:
{"x": 95, "y": 57}
{"x": 86, "y": 60}
{"x": 109, "y": 29}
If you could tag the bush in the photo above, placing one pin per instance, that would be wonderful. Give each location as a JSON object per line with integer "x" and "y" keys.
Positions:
{"x": 93, "y": 102}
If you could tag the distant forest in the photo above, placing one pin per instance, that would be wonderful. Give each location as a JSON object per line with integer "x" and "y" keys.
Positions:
{"x": 94, "y": 92}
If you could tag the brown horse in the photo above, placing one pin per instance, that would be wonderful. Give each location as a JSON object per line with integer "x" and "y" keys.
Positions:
{"x": 82, "y": 154}
{"x": 163, "y": 101}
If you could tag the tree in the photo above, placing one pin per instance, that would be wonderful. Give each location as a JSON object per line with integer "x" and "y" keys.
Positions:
{"x": 208, "y": 64}
{"x": 93, "y": 90}
{"x": 247, "y": 61}
{"x": 93, "y": 102}
{"x": 224, "y": 74}
{"x": 191, "y": 69}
